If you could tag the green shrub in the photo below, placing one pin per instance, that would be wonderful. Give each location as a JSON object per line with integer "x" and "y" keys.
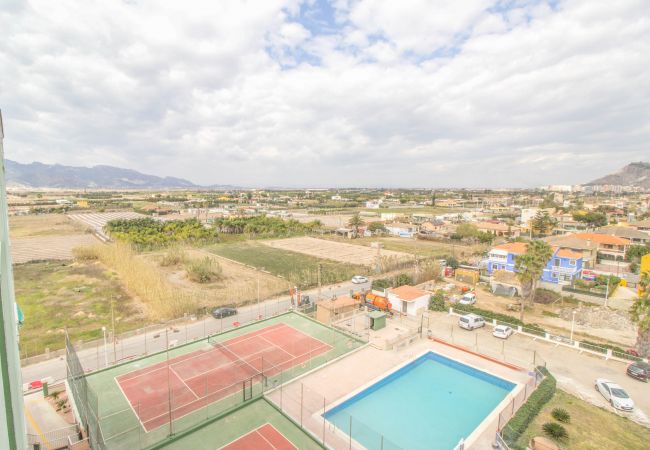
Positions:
{"x": 396, "y": 281}
{"x": 437, "y": 301}
{"x": 529, "y": 410}
{"x": 555, "y": 430}
{"x": 203, "y": 270}
{"x": 173, "y": 257}
{"x": 561, "y": 415}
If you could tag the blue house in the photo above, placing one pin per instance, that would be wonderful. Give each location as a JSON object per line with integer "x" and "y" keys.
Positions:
{"x": 564, "y": 266}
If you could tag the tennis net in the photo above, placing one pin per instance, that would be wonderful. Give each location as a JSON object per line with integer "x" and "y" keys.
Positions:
{"x": 212, "y": 340}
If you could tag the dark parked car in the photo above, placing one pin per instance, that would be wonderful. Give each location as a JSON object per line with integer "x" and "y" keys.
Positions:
{"x": 639, "y": 370}
{"x": 220, "y": 313}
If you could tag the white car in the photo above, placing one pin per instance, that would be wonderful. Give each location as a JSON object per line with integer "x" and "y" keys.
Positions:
{"x": 615, "y": 394}
{"x": 359, "y": 279}
{"x": 502, "y": 331}
{"x": 471, "y": 321}
{"x": 468, "y": 299}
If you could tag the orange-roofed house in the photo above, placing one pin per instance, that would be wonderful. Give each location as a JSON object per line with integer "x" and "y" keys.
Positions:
{"x": 409, "y": 300}
{"x": 611, "y": 249}
{"x": 564, "y": 266}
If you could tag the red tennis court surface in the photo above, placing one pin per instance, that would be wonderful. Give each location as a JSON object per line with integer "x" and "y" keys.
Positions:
{"x": 265, "y": 437}
{"x": 171, "y": 389}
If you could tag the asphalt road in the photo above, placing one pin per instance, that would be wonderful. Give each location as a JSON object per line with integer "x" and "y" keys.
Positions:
{"x": 156, "y": 338}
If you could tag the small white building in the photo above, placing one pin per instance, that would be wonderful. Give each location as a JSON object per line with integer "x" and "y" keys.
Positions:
{"x": 401, "y": 229}
{"x": 409, "y": 300}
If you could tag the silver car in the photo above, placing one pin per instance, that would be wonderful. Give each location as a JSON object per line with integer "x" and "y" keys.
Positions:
{"x": 615, "y": 394}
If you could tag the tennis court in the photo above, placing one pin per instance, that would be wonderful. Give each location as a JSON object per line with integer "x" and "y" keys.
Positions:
{"x": 146, "y": 401}
{"x": 194, "y": 380}
{"x": 265, "y": 437}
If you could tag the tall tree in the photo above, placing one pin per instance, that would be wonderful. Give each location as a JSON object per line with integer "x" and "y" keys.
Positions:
{"x": 355, "y": 222}
{"x": 542, "y": 223}
{"x": 640, "y": 313}
{"x": 529, "y": 268}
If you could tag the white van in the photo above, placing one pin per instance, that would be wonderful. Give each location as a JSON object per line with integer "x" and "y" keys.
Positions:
{"x": 471, "y": 321}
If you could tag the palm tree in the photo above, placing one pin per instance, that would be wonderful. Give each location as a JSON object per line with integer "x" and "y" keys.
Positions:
{"x": 640, "y": 313}
{"x": 355, "y": 222}
{"x": 529, "y": 268}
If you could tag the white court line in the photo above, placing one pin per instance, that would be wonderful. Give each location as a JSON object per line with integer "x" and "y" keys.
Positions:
{"x": 183, "y": 381}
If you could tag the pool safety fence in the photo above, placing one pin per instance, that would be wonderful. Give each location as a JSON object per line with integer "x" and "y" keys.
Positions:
{"x": 307, "y": 408}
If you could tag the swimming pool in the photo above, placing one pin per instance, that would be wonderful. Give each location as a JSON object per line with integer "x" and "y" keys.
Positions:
{"x": 430, "y": 403}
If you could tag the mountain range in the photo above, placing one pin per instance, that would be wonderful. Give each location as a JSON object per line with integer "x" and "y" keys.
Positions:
{"x": 634, "y": 174}
{"x": 39, "y": 175}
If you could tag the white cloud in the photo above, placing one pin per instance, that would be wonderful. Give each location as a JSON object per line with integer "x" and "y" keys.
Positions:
{"x": 242, "y": 93}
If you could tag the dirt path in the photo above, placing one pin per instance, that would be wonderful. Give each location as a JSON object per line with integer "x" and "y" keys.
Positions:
{"x": 543, "y": 315}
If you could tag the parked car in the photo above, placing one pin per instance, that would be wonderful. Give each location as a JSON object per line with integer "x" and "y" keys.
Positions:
{"x": 359, "y": 279}
{"x": 471, "y": 321}
{"x": 220, "y": 313}
{"x": 502, "y": 331}
{"x": 468, "y": 299}
{"x": 639, "y": 370}
{"x": 615, "y": 394}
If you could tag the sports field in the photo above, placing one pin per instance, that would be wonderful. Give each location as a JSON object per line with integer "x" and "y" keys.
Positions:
{"x": 144, "y": 402}
{"x": 257, "y": 426}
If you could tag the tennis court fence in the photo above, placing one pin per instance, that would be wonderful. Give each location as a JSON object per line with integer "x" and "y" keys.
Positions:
{"x": 150, "y": 422}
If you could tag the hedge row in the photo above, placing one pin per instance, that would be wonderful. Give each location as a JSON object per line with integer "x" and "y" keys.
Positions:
{"x": 529, "y": 410}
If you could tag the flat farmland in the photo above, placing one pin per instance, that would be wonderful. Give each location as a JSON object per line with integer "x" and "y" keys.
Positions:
{"x": 43, "y": 225}
{"x": 298, "y": 268}
{"x": 335, "y": 250}
{"x": 48, "y": 247}
{"x": 419, "y": 247}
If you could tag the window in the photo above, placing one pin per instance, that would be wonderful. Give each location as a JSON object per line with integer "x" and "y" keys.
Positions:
{"x": 554, "y": 275}
{"x": 556, "y": 262}
{"x": 572, "y": 262}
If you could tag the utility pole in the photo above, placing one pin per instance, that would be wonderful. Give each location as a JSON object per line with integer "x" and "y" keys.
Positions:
{"x": 13, "y": 434}
{"x": 319, "y": 282}
{"x": 114, "y": 342}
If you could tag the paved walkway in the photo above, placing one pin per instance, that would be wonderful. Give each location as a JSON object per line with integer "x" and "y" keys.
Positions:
{"x": 42, "y": 419}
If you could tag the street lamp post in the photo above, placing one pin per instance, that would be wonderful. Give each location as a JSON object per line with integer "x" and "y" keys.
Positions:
{"x": 573, "y": 323}
{"x": 105, "y": 348}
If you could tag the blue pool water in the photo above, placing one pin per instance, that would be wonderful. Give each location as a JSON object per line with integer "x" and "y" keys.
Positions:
{"x": 431, "y": 403}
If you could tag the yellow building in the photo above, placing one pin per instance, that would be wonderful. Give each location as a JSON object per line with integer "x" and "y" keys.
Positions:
{"x": 645, "y": 268}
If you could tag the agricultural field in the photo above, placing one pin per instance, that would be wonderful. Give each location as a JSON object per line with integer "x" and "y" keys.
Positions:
{"x": 43, "y": 225}
{"x": 590, "y": 427}
{"x": 54, "y": 295}
{"x": 299, "y": 269}
{"x": 422, "y": 248}
{"x": 334, "y": 250}
{"x": 48, "y": 247}
{"x": 235, "y": 284}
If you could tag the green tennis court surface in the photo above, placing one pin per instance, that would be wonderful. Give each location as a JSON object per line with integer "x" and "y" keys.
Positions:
{"x": 148, "y": 401}
{"x": 257, "y": 426}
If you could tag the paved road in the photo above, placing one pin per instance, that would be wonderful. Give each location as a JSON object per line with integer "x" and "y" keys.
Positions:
{"x": 155, "y": 339}
{"x": 575, "y": 371}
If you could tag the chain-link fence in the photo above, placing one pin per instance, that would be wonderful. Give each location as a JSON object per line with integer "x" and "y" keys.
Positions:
{"x": 339, "y": 431}
{"x": 176, "y": 404}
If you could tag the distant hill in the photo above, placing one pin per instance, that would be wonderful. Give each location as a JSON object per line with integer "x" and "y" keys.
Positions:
{"x": 39, "y": 175}
{"x": 634, "y": 174}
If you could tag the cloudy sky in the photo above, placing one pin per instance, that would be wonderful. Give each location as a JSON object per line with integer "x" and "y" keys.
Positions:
{"x": 427, "y": 93}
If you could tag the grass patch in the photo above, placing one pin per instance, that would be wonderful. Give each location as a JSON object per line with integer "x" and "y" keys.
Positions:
{"x": 591, "y": 427}
{"x": 143, "y": 279}
{"x": 298, "y": 268}
{"x": 56, "y": 295}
